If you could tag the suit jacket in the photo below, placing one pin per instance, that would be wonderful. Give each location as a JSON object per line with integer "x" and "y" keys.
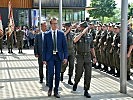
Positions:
{"x": 61, "y": 46}
{"x": 38, "y": 45}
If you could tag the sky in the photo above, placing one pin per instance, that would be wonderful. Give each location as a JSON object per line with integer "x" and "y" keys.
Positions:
{"x": 118, "y": 2}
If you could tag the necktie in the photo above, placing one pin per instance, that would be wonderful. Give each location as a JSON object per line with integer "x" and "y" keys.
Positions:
{"x": 54, "y": 41}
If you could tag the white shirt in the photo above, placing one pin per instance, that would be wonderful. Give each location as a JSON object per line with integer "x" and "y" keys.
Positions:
{"x": 53, "y": 36}
{"x": 42, "y": 35}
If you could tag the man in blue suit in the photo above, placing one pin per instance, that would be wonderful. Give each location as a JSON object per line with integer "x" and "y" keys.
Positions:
{"x": 55, "y": 51}
{"x": 38, "y": 50}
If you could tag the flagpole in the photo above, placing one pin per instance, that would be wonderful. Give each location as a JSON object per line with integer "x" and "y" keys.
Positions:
{"x": 60, "y": 12}
{"x": 123, "y": 49}
{"x": 40, "y": 14}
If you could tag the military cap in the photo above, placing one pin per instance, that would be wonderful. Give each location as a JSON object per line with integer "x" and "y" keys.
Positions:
{"x": 117, "y": 26}
{"x": 99, "y": 25}
{"x": 68, "y": 24}
{"x": 91, "y": 23}
{"x": 43, "y": 21}
{"x": 84, "y": 24}
{"x": 105, "y": 25}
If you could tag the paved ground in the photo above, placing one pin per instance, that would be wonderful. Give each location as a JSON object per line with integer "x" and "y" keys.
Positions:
{"x": 19, "y": 81}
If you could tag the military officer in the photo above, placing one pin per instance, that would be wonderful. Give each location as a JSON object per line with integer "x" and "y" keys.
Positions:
{"x": 129, "y": 51}
{"x": 70, "y": 45}
{"x": 19, "y": 37}
{"x": 84, "y": 45}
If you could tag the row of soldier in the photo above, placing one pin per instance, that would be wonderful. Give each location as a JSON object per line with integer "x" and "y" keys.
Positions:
{"x": 83, "y": 42}
{"x": 21, "y": 37}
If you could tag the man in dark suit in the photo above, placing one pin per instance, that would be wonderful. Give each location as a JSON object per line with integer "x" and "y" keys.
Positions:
{"x": 55, "y": 51}
{"x": 38, "y": 50}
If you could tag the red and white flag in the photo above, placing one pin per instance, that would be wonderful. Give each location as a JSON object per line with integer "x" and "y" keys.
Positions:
{"x": 10, "y": 18}
{"x": 1, "y": 26}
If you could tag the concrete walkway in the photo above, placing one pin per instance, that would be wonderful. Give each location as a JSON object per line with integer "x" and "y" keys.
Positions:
{"x": 19, "y": 81}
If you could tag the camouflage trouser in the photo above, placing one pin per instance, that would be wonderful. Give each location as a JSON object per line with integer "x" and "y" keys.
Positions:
{"x": 20, "y": 44}
{"x": 83, "y": 65}
{"x": 1, "y": 44}
{"x": 9, "y": 44}
{"x": 132, "y": 59}
{"x": 98, "y": 55}
{"x": 116, "y": 59}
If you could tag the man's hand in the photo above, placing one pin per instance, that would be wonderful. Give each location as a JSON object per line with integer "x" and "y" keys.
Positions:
{"x": 44, "y": 62}
{"x": 36, "y": 56}
{"x": 65, "y": 61}
{"x": 94, "y": 60}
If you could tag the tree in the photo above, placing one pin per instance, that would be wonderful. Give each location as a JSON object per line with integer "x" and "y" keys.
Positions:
{"x": 104, "y": 8}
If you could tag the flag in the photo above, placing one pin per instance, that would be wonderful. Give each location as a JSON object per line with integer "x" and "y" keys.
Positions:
{"x": 35, "y": 18}
{"x": 1, "y": 27}
{"x": 10, "y": 18}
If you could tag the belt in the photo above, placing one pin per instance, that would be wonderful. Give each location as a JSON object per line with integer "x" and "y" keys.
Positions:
{"x": 84, "y": 53}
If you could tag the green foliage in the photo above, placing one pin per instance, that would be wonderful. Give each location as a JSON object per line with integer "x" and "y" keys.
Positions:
{"x": 104, "y": 8}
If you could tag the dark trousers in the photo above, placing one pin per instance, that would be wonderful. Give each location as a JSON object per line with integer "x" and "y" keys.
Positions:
{"x": 54, "y": 64}
{"x": 41, "y": 69}
{"x": 83, "y": 65}
{"x": 71, "y": 65}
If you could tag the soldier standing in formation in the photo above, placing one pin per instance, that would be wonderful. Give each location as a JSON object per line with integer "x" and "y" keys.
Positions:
{"x": 9, "y": 40}
{"x": 70, "y": 45}
{"x": 1, "y": 41}
{"x": 19, "y": 37}
{"x": 84, "y": 44}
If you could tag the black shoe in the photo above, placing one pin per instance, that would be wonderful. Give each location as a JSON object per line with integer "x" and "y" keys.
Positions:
{"x": 74, "y": 87}
{"x": 49, "y": 92}
{"x": 41, "y": 80}
{"x": 70, "y": 82}
{"x": 87, "y": 95}
{"x": 56, "y": 95}
{"x": 46, "y": 84}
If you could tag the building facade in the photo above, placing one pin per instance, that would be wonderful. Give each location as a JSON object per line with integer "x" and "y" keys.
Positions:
{"x": 73, "y": 10}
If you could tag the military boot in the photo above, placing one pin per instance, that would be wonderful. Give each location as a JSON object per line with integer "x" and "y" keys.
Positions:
{"x": 75, "y": 87}
{"x": 9, "y": 50}
{"x": 69, "y": 81}
{"x": 128, "y": 75}
{"x": 1, "y": 50}
{"x": 86, "y": 94}
{"x": 18, "y": 50}
{"x": 61, "y": 78}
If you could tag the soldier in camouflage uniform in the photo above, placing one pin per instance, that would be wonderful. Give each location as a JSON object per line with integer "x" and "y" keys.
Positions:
{"x": 1, "y": 41}
{"x": 109, "y": 55}
{"x": 96, "y": 44}
{"x": 84, "y": 45}
{"x": 116, "y": 49}
{"x": 9, "y": 40}
{"x": 102, "y": 47}
{"x": 70, "y": 45}
{"x": 19, "y": 37}
{"x": 129, "y": 51}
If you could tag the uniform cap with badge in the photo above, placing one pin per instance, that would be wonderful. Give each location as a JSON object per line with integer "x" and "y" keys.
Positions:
{"x": 68, "y": 24}
{"x": 84, "y": 24}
